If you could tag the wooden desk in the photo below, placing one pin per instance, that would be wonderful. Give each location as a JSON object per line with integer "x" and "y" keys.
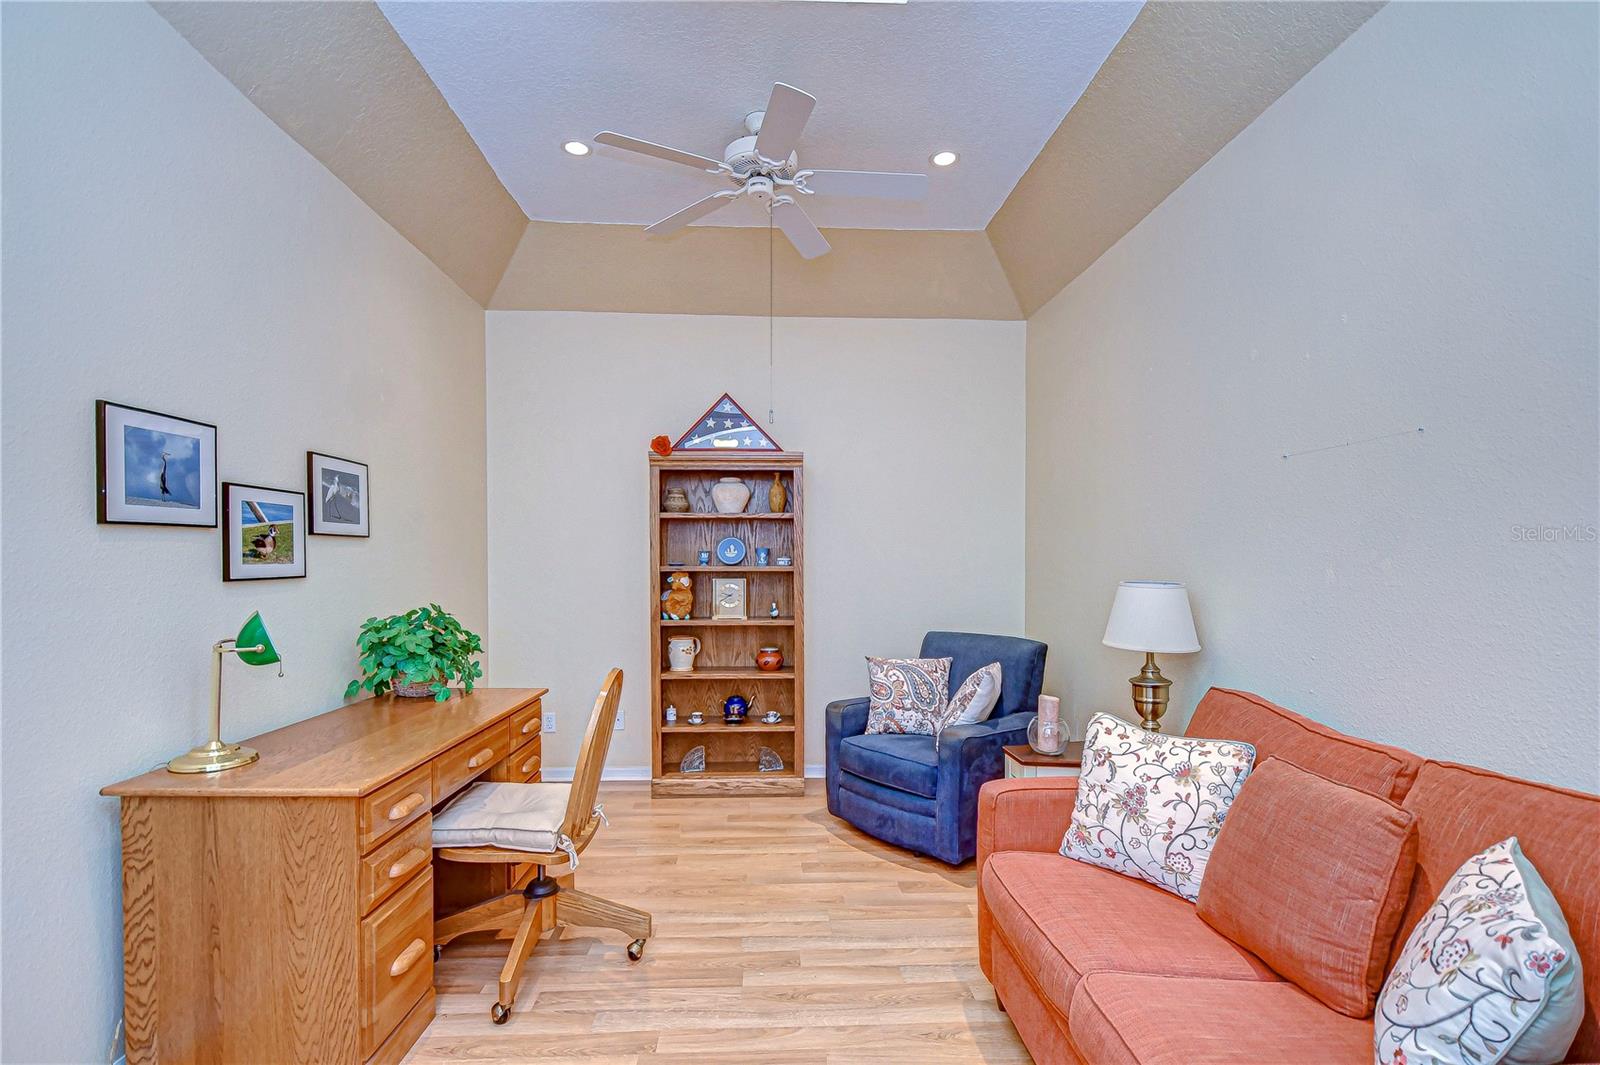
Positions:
{"x": 283, "y": 911}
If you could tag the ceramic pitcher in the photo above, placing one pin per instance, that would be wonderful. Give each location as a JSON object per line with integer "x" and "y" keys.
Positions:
{"x": 680, "y": 653}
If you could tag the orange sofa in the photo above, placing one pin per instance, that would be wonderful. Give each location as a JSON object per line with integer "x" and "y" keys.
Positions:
{"x": 1099, "y": 968}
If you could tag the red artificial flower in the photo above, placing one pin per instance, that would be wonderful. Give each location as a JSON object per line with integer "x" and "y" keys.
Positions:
{"x": 661, "y": 446}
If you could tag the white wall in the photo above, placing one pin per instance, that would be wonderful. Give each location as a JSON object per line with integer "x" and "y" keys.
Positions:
{"x": 1406, "y": 239}
{"x": 914, "y": 478}
{"x": 166, "y": 245}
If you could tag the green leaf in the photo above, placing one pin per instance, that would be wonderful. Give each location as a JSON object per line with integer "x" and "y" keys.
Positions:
{"x": 352, "y": 689}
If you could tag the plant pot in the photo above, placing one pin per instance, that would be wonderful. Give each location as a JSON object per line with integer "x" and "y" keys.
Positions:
{"x": 411, "y": 691}
{"x": 730, "y": 494}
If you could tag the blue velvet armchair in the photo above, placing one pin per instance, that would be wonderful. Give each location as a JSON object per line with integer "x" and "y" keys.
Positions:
{"x": 898, "y": 787}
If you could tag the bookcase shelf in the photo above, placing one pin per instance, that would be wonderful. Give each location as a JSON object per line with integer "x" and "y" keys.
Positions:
{"x": 730, "y": 643}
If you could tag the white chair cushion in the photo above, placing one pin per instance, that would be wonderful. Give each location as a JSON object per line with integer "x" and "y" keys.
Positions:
{"x": 518, "y": 817}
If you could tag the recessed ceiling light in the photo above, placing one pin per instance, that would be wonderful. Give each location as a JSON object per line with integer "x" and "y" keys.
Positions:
{"x": 575, "y": 148}
{"x": 944, "y": 158}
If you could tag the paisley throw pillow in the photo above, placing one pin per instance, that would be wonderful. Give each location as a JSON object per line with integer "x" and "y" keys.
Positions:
{"x": 1490, "y": 974}
{"x": 908, "y": 695}
{"x": 1149, "y": 805}
{"x": 976, "y": 698}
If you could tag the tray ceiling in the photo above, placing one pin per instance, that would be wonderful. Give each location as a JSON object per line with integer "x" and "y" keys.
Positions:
{"x": 894, "y": 83}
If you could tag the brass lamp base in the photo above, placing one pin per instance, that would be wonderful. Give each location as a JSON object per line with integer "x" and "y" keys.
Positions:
{"x": 213, "y": 757}
{"x": 1150, "y": 691}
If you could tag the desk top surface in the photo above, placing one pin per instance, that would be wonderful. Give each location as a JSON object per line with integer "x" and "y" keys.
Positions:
{"x": 345, "y": 752}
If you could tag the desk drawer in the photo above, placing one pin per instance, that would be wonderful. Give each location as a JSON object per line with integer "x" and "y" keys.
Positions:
{"x": 395, "y": 862}
{"x": 396, "y": 960}
{"x": 521, "y": 765}
{"x": 466, "y": 760}
{"x": 525, "y": 723}
{"x": 394, "y": 805}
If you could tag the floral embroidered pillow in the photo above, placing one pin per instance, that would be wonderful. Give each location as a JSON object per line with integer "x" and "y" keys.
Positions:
{"x": 1490, "y": 974}
{"x": 908, "y": 695}
{"x": 975, "y": 700}
{"x": 1149, "y": 805}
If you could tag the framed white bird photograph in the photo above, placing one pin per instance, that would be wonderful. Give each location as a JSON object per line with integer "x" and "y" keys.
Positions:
{"x": 338, "y": 489}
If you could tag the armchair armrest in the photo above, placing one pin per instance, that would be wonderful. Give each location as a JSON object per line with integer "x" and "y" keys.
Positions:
{"x": 1029, "y": 814}
{"x": 845, "y": 717}
{"x": 848, "y": 717}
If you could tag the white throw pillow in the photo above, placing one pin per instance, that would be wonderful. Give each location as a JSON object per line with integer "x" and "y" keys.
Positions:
{"x": 1490, "y": 974}
{"x": 975, "y": 700}
{"x": 1149, "y": 805}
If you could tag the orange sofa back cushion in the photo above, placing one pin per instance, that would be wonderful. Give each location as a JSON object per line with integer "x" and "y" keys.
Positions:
{"x": 1312, "y": 876}
{"x": 1374, "y": 768}
{"x": 1461, "y": 810}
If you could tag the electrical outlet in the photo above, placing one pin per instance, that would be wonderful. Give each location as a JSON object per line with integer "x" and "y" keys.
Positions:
{"x": 548, "y": 721}
{"x": 619, "y": 718}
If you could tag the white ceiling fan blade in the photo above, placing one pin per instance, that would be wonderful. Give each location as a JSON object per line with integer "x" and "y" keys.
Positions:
{"x": 868, "y": 183}
{"x": 788, "y": 110}
{"x": 699, "y": 209}
{"x": 660, "y": 151}
{"x": 797, "y": 226}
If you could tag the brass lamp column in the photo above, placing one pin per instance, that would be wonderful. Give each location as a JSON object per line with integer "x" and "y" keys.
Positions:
{"x": 1151, "y": 616}
{"x": 254, "y": 648}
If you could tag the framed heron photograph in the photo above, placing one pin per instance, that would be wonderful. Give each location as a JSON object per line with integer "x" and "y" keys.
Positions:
{"x": 153, "y": 468}
{"x": 264, "y": 536}
{"x": 339, "y": 489}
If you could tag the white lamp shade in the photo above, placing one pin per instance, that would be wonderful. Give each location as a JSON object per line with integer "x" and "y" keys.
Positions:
{"x": 1152, "y": 616}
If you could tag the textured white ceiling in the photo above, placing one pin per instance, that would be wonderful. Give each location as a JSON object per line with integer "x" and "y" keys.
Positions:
{"x": 990, "y": 79}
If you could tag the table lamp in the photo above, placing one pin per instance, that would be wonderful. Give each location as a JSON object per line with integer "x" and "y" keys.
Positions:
{"x": 1151, "y": 616}
{"x": 254, "y": 648}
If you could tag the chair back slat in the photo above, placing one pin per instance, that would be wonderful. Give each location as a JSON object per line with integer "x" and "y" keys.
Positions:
{"x": 592, "y": 755}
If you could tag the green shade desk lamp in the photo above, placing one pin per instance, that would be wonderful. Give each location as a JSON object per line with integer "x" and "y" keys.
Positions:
{"x": 254, "y": 648}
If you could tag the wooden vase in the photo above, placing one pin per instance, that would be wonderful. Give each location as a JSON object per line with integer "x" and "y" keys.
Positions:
{"x": 777, "y": 498}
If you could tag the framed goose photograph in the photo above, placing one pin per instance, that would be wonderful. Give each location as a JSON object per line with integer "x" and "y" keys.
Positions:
{"x": 153, "y": 469}
{"x": 339, "y": 490}
{"x": 264, "y": 535}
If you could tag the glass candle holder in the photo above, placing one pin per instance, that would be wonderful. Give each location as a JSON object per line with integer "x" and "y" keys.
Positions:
{"x": 1049, "y": 738}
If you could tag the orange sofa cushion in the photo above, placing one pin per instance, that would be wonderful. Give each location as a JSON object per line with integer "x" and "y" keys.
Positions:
{"x": 1461, "y": 810}
{"x": 1140, "y": 1019}
{"x": 1312, "y": 877}
{"x": 1063, "y": 919}
{"x": 1376, "y": 769}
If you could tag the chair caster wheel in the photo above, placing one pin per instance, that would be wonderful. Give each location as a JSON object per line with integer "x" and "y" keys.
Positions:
{"x": 438, "y": 952}
{"x": 636, "y": 950}
{"x": 500, "y": 1014}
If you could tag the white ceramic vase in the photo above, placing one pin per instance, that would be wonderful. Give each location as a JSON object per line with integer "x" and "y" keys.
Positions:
{"x": 730, "y": 495}
{"x": 680, "y": 653}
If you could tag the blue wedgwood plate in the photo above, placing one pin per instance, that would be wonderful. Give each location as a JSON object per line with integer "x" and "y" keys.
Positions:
{"x": 730, "y": 551}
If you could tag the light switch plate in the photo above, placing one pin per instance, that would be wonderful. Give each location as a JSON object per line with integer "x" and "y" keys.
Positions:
{"x": 619, "y": 719}
{"x": 547, "y": 722}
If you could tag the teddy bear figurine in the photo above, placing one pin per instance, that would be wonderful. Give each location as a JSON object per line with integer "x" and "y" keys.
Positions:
{"x": 677, "y": 602}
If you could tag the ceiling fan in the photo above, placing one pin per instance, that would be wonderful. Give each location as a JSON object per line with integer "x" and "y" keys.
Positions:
{"x": 764, "y": 166}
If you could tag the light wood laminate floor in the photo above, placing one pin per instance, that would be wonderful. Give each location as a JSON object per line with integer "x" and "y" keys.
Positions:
{"x": 782, "y": 935}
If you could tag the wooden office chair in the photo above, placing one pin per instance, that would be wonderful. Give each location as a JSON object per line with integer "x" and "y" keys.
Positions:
{"x": 553, "y": 829}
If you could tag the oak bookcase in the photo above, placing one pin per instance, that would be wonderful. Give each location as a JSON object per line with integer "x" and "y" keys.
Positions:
{"x": 726, "y": 663}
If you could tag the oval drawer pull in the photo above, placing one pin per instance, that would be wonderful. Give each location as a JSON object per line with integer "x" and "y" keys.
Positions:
{"x": 405, "y": 806}
{"x": 481, "y": 757}
{"x": 530, "y": 725}
{"x": 407, "y": 862}
{"x": 408, "y": 957}
{"x": 527, "y": 767}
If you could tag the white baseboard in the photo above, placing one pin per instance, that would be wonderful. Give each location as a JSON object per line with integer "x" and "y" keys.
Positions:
{"x": 562, "y": 773}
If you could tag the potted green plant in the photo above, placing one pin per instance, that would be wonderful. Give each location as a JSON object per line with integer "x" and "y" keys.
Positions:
{"x": 416, "y": 654}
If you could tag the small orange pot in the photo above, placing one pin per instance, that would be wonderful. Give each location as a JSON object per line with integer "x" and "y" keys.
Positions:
{"x": 769, "y": 659}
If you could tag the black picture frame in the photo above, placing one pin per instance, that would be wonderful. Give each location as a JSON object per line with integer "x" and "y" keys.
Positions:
{"x": 315, "y": 500}
{"x": 234, "y": 564}
{"x": 112, "y": 475}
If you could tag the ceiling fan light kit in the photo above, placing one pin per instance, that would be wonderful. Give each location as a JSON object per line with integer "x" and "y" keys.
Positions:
{"x": 765, "y": 166}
